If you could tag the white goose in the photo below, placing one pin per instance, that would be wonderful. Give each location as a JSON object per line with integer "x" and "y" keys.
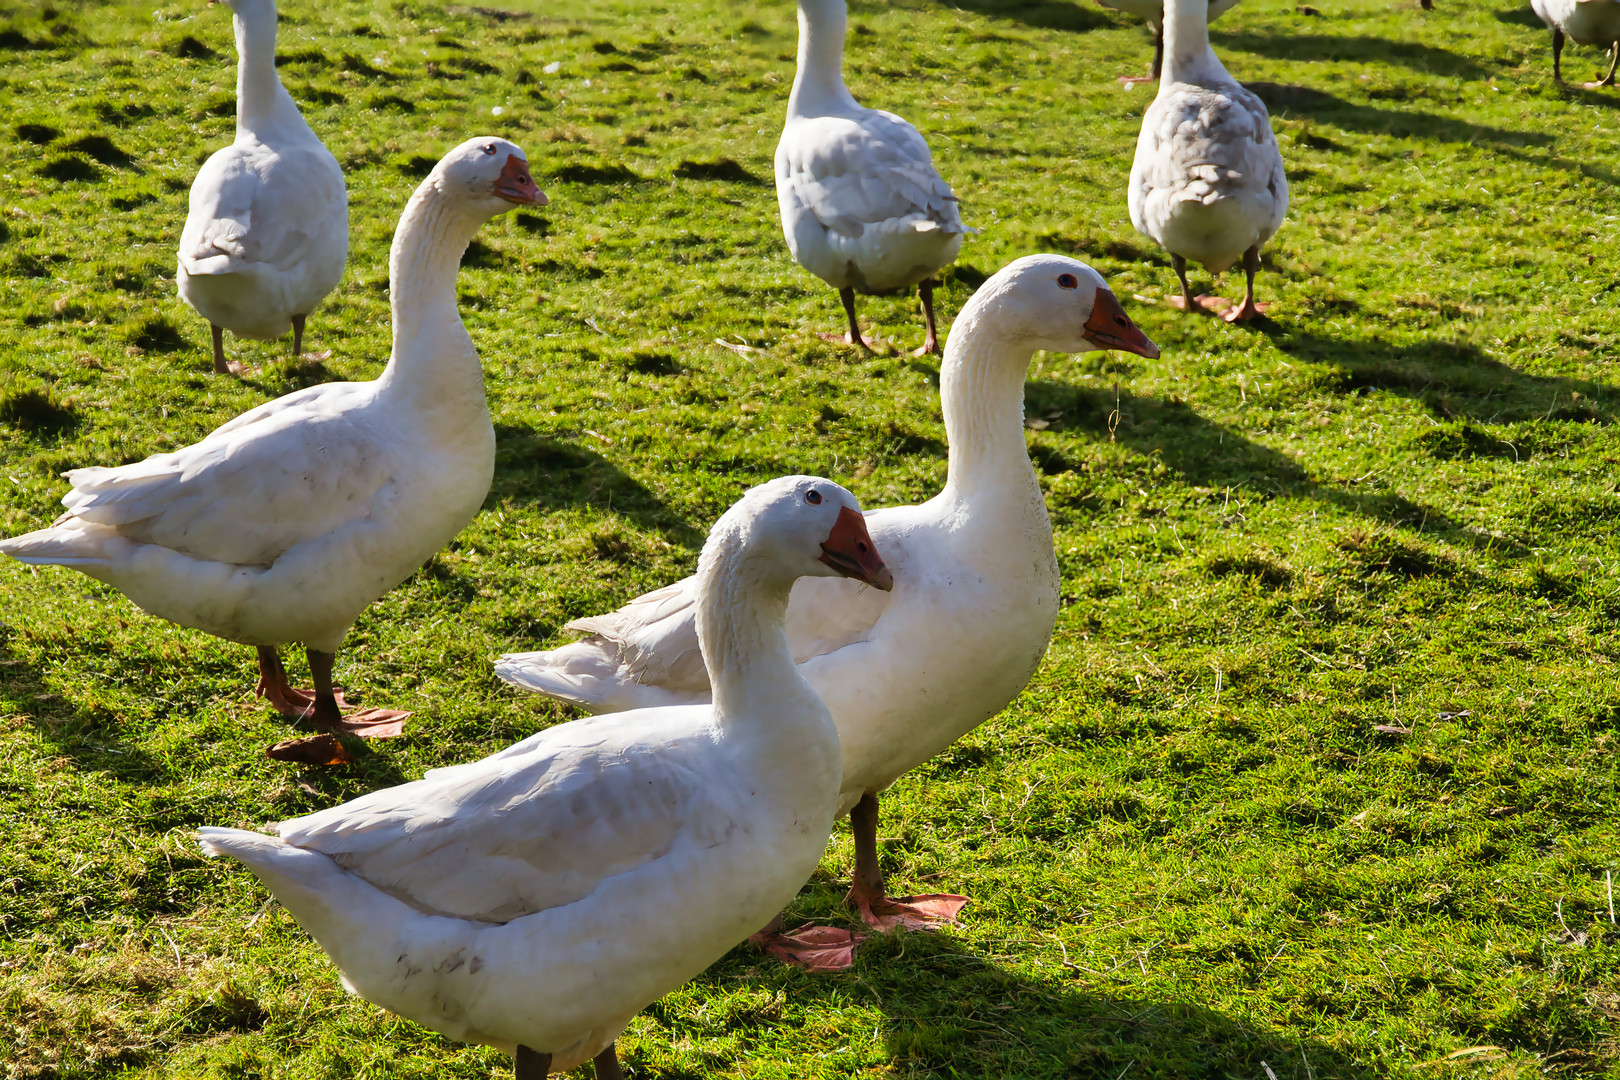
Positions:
{"x": 284, "y": 524}
{"x": 1152, "y": 12}
{"x": 268, "y": 230}
{"x": 538, "y": 899}
{"x": 862, "y": 207}
{"x": 1208, "y": 181}
{"x": 976, "y": 585}
{"x": 1585, "y": 22}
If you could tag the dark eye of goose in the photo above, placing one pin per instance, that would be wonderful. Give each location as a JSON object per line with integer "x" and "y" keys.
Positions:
{"x": 813, "y": 497}
{"x": 489, "y": 148}
{"x": 1068, "y": 281}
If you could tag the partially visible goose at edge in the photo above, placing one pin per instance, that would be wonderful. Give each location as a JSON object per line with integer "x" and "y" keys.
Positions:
{"x": 1152, "y": 12}
{"x": 862, "y": 207}
{"x": 1585, "y": 22}
{"x": 538, "y": 899}
{"x": 1208, "y": 182}
{"x": 268, "y": 230}
{"x": 287, "y": 522}
{"x": 906, "y": 673}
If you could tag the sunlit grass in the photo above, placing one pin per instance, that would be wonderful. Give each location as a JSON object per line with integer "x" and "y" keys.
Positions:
{"x": 1318, "y": 776}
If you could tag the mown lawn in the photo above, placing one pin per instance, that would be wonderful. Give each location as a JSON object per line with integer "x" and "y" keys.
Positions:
{"x": 1318, "y": 779}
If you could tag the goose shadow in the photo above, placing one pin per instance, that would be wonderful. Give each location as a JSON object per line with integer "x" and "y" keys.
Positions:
{"x": 1453, "y": 380}
{"x": 89, "y": 737}
{"x": 1210, "y": 455}
{"x": 1283, "y": 99}
{"x": 1043, "y": 14}
{"x": 92, "y": 738}
{"x": 552, "y": 474}
{"x": 1309, "y": 48}
{"x": 949, "y": 1011}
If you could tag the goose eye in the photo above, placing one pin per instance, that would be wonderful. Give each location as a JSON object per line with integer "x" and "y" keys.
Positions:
{"x": 489, "y": 148}
{"x": 813, "y": 498}
{"x": 1068, "y": 281}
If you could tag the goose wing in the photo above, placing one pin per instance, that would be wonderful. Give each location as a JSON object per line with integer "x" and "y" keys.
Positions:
{"x": 286, "y": 472}
{"x": 536, "y": 826}
{"x": 251, "y": 205}
{"x": 855, "y": 172}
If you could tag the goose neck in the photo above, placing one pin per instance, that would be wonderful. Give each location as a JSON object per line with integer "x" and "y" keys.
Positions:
{"x": 432, "y": 354}
{"x": 261, "y": 101}
{"x": 741, "y": 619}
{"x": 1187, "y": 55}
{"x": 981, "y": 388}
{"x": 818, "y": 83}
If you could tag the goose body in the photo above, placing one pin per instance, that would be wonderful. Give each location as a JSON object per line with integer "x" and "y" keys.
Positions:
{"x": 862, "y": 207}
{"x": 268, "y": 229}
{"x": 905, "y": 673}
{"x": 288, "y": 521}
{"x": 543, "y": 896}
{"x": 1207, "y": 183}
{"x": 1152, "y": 12}
{"x": 1585, "y": 22}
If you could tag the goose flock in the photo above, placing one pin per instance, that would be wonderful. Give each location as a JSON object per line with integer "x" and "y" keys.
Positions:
{"x": 538, "y": 899}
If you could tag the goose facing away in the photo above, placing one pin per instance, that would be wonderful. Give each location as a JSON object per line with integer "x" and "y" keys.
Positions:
{"x": 1585, "y": 22}
{"x": 268, "y": 229}
{"x": 1152, "y": 12}
{"x": 862, "y": 207}
{"x": 1208, "y": 181}
{"x": 287, "y": 522}
{"x": 538, "y": 899}
{"x": 906, "y": 673}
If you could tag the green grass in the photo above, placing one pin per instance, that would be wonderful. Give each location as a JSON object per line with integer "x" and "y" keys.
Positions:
{"x": 1319, "y": 774}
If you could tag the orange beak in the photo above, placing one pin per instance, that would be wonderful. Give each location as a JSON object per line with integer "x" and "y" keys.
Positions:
{"x": 848, "y": 549}
{"x": 516, "y": 185}
{"x": 1110, "y": 328}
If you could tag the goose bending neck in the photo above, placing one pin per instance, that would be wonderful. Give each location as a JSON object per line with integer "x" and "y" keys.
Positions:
{"x": 741, "y": 618}
{"x": 261, "y": 101}
{"x": 432, "y": 353}
{"x": 1187, "y": 55}
{"x": 818, "y": 84}
{"x": 981, "y": 390}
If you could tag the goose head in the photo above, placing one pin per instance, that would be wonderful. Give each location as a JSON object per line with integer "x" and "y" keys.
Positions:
{"x": 1059, "y": 304}
{"x": 488, "y": 175}
{"x": 805, "y": 526}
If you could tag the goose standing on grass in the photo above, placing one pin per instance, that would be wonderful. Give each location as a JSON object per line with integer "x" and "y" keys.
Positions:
{"x": 976, "y": 589}
{"x": 1152, "y": 11}
{"x": 538, "y": 899}
{"x": 1585, "y": 22}
{"x": 268, "y": 230}
{"x": 1208, "y": 181}
{"x": 286, "y": 523}
{"x": 862, "y": 207}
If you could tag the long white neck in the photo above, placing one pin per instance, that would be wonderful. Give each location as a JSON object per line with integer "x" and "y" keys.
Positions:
{"x": 262, "y": 103}
{"x": 981, "y": 389}
{"x": 762, "y": 706}
{"x": 818, "y": 84}
{"x": 433, "y": 358}
{"x": 1187, "y": 55}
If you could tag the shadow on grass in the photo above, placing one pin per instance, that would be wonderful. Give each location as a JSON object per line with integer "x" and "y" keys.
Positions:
{"x": 1285, "y": 98}
{"x": 1307, "y": 48}
{"x": 89, "y": 737}
{"x": 551, "y": 474}
{"x": 1206, "y": 454}
{"x": 948, "y": 1011}
{"x": 1520, "y": 15}
{"x": 1453, "y": 380}
{"x": 92, "y": 738}
{"x": 1043, "y": 14}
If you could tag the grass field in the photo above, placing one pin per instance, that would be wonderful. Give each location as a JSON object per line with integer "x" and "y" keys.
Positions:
{"x": 1318, "y": 779}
